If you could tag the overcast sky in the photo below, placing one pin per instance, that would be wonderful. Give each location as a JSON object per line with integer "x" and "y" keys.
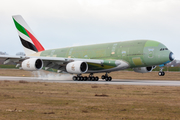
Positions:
{"x": 62, "y": 23}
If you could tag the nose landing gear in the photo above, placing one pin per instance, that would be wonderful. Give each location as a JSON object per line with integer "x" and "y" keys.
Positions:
{"x": 161, "y": 72}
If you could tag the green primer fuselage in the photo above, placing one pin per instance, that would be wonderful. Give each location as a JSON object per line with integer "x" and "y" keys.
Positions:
{"x": 137, "y": 53}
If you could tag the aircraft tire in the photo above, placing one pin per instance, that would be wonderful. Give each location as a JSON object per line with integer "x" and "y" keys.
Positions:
{"x": 97, "y": 78}
{"x": 163, "y": 73}
{"x": 103, "y": 77}
{"x": 78, "y": 78}
{"x": 74, "y": 78}
{"x": 85, "y": 78}
{"x": 160, "y": 74}
{"x": 107, "y": 78}
{"x": 89, "y": 78}
{"x": 110, "y": 78}
{"x": 93, "y": 78}
{"x": 82, "y": 78}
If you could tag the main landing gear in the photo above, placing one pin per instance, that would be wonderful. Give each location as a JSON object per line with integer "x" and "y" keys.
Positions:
{"x": 91, "y": 78}
{"x": 161, "y": 72}
{"x": 106, "y": 77}
{"x": 85, "y": 78}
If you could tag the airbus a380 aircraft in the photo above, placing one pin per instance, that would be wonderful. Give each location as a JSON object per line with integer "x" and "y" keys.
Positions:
{"x": 140, "y": 55}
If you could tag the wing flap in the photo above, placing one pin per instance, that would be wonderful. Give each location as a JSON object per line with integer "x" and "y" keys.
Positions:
{"x": 60, "y": 63}
{"x": 9, "y": 58}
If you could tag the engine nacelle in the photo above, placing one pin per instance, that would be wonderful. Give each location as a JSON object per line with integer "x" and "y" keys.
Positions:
{"x": 32, "y": 64}
{"x": 77, "y": 67}
{"x": 143, "y": 69}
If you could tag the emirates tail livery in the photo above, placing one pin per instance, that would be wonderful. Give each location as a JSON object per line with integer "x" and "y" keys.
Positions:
{"x": 140, "y": 55}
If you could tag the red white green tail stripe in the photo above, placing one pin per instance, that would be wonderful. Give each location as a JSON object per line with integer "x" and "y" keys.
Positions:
{"x": 30, "y": 43}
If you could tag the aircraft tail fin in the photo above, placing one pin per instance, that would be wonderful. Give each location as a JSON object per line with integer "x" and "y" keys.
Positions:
{"x": 30, "y": 43}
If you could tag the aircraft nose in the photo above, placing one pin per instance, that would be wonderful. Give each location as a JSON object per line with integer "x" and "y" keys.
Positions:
{"x": 171, "y": 56}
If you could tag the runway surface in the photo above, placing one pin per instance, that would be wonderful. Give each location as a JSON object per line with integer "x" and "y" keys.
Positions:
{"x": 113, "y": 82}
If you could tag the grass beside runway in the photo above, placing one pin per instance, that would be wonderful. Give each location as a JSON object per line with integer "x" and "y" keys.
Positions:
{"x": 36, "y": 100}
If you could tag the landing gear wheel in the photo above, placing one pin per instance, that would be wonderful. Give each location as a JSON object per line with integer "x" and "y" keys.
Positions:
{"x": 85, "y": 78}
{"x": 89, "y": 78}
{"x": 103, "y": 77}
{"x": 74, "y": 78}
{"x": 110, "y": 78}
{"x": 161, "y": 73}
{"x": 93, "y": 78}
{"x": 107, "y": 78}
{"x": 79, "y": 78}
{"x": 82, "y": 78}
{"x": 96, "y": 78}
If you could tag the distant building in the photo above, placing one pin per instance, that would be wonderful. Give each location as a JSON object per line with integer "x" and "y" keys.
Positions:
{"x": 3, "y": 53}
{"x": 175, "y": 63}
{"x": 20, "y": 54}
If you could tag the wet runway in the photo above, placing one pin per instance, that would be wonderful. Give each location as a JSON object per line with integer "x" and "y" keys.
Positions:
{"x": 113, "y": 82}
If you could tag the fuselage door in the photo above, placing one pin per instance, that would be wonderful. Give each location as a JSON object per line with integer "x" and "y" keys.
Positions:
{"x": 114, "y": 49}
{"x": 123, "y": 53}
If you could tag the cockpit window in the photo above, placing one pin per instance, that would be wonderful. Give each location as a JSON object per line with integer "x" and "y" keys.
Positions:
{"x": 162, "y": 49}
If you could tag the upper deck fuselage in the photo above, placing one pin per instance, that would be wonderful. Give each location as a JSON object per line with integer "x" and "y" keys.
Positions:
{"x": 137, "y": 53}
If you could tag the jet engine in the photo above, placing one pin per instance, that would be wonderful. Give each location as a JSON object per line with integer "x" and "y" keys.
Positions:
{"x": 32, "y": 64}
{"x": 143, "y": 69}
{"x": 77, "y": 67}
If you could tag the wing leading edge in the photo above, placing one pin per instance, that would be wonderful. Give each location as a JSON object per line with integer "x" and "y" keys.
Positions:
{"x": 59, "y": 63}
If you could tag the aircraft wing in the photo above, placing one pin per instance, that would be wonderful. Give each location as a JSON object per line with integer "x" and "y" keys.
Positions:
{"x": 9, "y": 58}
{"x": 48, "y": 62}
{"x": 60, "y": 63}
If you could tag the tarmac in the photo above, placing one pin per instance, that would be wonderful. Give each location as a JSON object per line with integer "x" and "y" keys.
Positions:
{"x": 113, "y": 82}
